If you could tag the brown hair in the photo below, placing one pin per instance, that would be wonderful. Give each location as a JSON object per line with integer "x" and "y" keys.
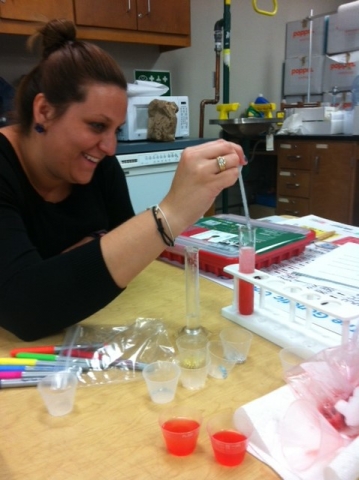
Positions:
{"x": 67, "y": 67}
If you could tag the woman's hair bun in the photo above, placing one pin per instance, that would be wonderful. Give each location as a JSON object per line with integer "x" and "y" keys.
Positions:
{"x": 54, "y": 35}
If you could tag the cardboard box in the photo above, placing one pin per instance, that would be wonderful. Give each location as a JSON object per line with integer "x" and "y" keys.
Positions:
{"x": 339, "y": 41}
{"x": 340, "y": 75}
{"x": 297, "y": 75}
{"x": 298, "y": 37}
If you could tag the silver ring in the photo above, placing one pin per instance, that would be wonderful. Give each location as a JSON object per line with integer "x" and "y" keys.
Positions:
{"x": 221, "y": 163}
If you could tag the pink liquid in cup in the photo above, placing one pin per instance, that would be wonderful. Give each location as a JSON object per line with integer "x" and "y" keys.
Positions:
{"x": 180, "y": 435}
{"x": 229, "y": 447}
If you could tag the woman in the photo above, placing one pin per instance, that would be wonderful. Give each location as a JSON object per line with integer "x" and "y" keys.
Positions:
{"x": 60, "y": 184}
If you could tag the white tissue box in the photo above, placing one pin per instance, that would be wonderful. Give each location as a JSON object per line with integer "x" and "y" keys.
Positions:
{"x": 341, "y": 40}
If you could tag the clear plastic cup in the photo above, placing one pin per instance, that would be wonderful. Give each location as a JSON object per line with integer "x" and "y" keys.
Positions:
{"x": 237, "y": 342}
{"x": 180, "y": 427}
{"x": 293, "y": 356}
{"x": 229, "y": 440}
{"x": 194, "y": 371}
{"x": 58, "y": 392}
{"x": 219, "y": 365}
{"x": 162, "y": 379}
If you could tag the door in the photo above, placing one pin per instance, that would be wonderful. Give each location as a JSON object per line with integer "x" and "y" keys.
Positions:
{"x": 332, "y": 180}
{"x": 169, "y": 16}
{"x": 120, "y": 14}
{"x": 36, "y": 10}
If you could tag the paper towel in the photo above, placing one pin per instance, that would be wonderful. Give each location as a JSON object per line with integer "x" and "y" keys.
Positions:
{"x": 345, "y": 465}
{"x": 265, "y": 414}
{"x": 142, "y": 88}
{"x": 348, "y": 16}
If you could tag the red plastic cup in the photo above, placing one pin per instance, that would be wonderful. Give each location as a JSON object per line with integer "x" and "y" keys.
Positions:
{"x": 228, "y": 443}
{"x": 180, "y": 427}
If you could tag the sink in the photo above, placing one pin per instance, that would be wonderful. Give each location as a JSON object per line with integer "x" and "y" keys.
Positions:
{"x": 248, "y": 126}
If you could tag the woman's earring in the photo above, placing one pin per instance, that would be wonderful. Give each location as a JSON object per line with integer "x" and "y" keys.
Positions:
{"x": 39, "y": 128}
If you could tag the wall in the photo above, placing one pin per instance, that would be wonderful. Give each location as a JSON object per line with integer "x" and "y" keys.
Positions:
{"x": 257, "y": 53}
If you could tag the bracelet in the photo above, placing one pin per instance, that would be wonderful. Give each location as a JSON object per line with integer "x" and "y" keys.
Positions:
{"x": 166, "y": 238}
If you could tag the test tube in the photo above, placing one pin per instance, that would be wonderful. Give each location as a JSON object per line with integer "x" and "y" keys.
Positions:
{"x": 247, "y": 242}
{"x": 192, "y": 290}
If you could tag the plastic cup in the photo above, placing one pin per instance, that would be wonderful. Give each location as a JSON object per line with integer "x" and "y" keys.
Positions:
{"x": 219, "y": 365}
{"x": 293, "y": 356}
{"x": 193, "y": 373}
{"x": 162, "y": 379}
{"x": 58, "y": 392}
{"x": 237, "y": 342}
{"x": 192, "y": 343}
{"x": 229, "y": 441}
{"x": 180, "y": 427}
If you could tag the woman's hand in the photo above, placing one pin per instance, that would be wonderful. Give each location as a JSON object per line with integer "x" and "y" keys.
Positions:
{"x": 199, "y": 180}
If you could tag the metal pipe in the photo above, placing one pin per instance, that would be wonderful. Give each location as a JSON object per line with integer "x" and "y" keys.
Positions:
{"x": 217, "y": 48}
{"x": 216, "y": 95}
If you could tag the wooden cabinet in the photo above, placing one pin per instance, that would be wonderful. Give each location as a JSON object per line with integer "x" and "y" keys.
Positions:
{"x": 170, "y": 17}
{"x": 319, "y": 177}
{"x": 22, "y": 17}
{"x": 156, "y": 22}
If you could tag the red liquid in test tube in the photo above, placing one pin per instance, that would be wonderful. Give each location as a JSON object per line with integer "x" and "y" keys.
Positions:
{"x": 246, "y": 265}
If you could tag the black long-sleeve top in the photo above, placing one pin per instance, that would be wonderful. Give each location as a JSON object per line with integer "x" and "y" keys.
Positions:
{"x": 43, "y": 290}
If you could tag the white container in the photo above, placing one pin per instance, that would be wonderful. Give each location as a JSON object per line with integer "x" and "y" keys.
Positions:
{"x": 298, "y": 37}
{"x": 341, "y": 40}
{"x": 297, "y": 75}
{"x": 315, "y": 113}
{"x": 332, "y": 127}
{"x": 339, "y": 75}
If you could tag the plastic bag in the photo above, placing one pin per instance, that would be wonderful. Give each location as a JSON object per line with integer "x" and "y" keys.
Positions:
{"x": 330, "y": 380}
{"x": 104, "y": 354}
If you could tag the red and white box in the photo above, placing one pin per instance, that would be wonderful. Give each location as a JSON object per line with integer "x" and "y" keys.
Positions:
{"x": 299, "y": 72}
{"x": 341, "y": 40}
{"x": 340, "y": 75}
{"x": 298, "y": 37}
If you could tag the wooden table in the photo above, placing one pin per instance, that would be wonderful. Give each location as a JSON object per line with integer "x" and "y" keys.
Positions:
{"x": 113, "y": 432}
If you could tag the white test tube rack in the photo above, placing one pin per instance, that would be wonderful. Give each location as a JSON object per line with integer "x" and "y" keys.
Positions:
{"x": 285, "y": 328}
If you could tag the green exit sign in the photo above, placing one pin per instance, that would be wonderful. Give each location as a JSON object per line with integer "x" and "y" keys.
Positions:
{"x": 160, "y": 76}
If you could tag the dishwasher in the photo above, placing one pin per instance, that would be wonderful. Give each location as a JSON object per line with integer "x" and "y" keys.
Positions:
{"x": 150, "y": 167}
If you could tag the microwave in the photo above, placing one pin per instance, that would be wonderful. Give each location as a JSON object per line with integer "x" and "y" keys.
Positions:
{"x": 135, "y": 127}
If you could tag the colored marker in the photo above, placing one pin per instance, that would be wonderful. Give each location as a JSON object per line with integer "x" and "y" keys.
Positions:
{"x": 31, "y": 362}
{"x": 21, "y": 382}
{"x": 13, "y": 375}
{"x": 49, "y": 357}
{"x": 24, "y": 368}
{"x": 55, "y": 349}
